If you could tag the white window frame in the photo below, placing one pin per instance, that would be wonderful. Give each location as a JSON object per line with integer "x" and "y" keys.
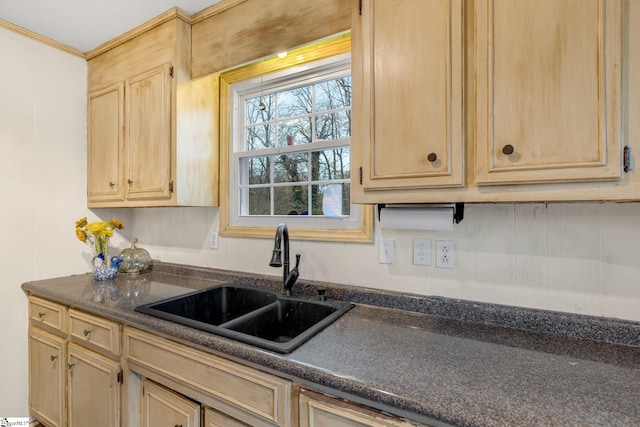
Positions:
{"x": 306, "y": 74}
{"x": 356, "y": 227}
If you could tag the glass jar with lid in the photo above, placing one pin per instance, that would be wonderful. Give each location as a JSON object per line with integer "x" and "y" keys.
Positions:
{"x": 135, "y": 260}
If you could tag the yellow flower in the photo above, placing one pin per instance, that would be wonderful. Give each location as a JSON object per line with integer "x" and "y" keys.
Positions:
{"x": 116, "y": 223}
{"x": 100, "y": 230}
{"x": 81, "y": 235}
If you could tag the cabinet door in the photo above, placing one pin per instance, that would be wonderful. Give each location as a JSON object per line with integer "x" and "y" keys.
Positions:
{"x": 94, "y": 390}
{"x": 149, "y": 136}
{"x": 548, "y": 90}
{"x": 408, "y": 94}
{"x": 105, "y": 166}
{"x": 218, "y": 419}
{"x": 317, "y": 410}
{"x": 164, "y": 408}
{"x": 46, "y": 378}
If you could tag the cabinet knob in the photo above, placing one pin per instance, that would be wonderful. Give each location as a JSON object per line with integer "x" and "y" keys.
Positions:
{"x": 53, "y": 358}
{"x": 129, "y": 181}
{"x": 71, "y": 365}
{"x": 507, "y": 149}
{"x": 432, "y": 157}
{"x": 41, "y": 315}
{"x": 86, "y": 332}
{"x": 112, "y": 184}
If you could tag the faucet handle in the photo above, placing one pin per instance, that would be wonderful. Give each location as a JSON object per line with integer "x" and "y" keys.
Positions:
{"x": 297, "y": 260}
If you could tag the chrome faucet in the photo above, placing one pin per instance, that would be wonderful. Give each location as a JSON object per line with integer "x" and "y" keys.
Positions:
{"x": 288, "y": 278}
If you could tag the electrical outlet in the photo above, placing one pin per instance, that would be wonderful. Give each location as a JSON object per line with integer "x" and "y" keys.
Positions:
{"x": 214, "y": 240}
{"x": 421, "y": 251}
{"x": 445, "y": 254}
{"x": 387, "y": 254}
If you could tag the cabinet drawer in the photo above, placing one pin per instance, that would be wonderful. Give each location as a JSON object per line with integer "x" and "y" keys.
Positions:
{"x": 94, "y": 332}
{"x": 246, "y": 394}
{"x": 47, "y": 314}
{"x": 319, "y": 410}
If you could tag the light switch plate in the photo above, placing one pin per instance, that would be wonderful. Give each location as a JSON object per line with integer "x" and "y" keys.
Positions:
{"x": 387, "y": 254}
{"x": 421, "y": 251}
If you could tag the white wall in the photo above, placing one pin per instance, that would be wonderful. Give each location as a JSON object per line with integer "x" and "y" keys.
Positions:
{"x": 42, "y": 188}
{"x": 573, "y": 257}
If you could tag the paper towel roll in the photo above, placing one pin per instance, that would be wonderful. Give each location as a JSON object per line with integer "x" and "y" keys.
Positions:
{"x": 423, "y": 218}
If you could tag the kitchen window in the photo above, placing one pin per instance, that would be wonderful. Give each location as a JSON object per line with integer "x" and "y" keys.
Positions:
{"x": 286, "y": 137}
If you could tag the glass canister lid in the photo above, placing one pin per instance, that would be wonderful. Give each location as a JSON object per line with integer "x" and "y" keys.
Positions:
{"x": 134, "y": 259}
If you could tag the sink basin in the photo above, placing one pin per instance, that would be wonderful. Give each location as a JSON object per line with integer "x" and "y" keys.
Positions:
{"x": 259, "y": 317}
{"x": 212, "y": 306}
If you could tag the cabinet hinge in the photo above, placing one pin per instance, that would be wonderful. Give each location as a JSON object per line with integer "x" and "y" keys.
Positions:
{"x": 360, "y": 8}
{"x": 120, "y": 376}
{"x": 171, "y": 71}
{"x": 360, "y": 175}
{"x": 171, "y": 187}
{"x": 626, "y": 159}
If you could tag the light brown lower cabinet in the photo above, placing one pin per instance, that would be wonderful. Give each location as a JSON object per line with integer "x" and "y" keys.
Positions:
{"x": 93, "y": 389}
{"x": 162, "y": 407}
{"x": 47, "y": 362}
{"x": 213, "y": 418}
{"x": 320, "y": 410}
{"x": 235, "y": 390}
{"x": 76, "y": 380}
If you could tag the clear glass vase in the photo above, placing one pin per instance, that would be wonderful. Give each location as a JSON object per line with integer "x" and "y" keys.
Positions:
{"x": 102, "y": 247}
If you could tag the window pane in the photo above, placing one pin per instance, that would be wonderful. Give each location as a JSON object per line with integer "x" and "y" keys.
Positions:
{"x": 331, "y": 164}
{"x": 291, "y": 167}
{"x": 260, "y": 136}
{"x": 290, "y": 200}
{"x": 257, "y": 170}
{"x": 260, "y": 109}
{"x": 333, "y": 94}
{"x": 334, "y": 125}
{"x": 259, "y": 201}
{"x": 331, "y": 207}
{"x": 299, "y": 129}
{"x": 302, "y": 116}
{"x": 294, "y": 102}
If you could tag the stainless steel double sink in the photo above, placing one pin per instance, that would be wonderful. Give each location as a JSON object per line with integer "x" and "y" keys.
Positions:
{"x": 254, "y": 316}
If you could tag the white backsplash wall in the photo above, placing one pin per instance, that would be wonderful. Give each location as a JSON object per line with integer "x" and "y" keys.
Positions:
{"x": 573, "y": 257}
{"x": 42, "y": 187}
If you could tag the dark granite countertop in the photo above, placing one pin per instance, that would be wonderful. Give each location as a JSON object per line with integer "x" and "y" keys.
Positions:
{"x": 433, "y": 360}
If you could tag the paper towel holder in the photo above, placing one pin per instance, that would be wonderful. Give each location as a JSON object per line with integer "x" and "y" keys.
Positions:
{"x": 458, "y": 208}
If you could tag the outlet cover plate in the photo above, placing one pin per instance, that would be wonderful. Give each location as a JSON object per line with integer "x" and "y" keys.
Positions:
{"x": 445, "y": 254}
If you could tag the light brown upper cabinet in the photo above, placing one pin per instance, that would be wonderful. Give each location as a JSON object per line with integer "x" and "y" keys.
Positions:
{"x": 408, "y": 96}
{"x": 148, "y": 130}
{"x": 152, "y": 131}
{"x": 548, "y": 90}
{"x": 493, "y": 100}
{"x": 130, "y": 154}
{"x": 106, "y": 143}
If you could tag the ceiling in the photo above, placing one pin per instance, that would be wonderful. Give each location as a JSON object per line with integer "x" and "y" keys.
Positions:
{"x": 86, "y": 24}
